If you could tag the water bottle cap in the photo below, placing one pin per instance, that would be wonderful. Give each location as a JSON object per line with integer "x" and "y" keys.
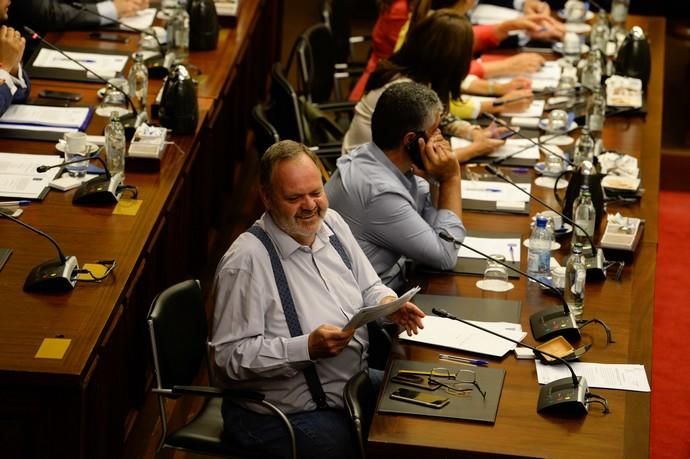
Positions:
{"x": 541, "y": 221}
{"x": 577, "y": 248}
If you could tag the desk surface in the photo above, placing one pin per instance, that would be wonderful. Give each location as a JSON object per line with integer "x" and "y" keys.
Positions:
{"x": 626, "y": 306}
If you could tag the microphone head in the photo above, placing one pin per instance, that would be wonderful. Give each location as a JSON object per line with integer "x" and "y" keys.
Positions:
{"x": 446, "y": 237}
{"x": 440, "y": 312}
{"x": 42, "y": 168}
{"x": 31, "y": 32}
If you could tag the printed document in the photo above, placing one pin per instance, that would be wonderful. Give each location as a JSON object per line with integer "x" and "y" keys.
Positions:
{"x": 18, "y": 176}
{"x": 371, "y": 313}
{"x": 106, "y": 65}
{"x": 601, "y": 375}
{"x": 508, "y": 247}
{"x": 452, "y": 334}
{"x": 481, "y": 190}
{"x": 20, "y": 115}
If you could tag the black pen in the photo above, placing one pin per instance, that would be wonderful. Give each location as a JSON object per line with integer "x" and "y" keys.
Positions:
{"x": 499, "y": 102}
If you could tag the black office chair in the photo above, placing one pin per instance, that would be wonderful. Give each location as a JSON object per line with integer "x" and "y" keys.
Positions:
{"x": 297, "y": 119}
{"x": 179, "y": 331}
{"x": 265, "y": 134}
{"x": 318, "y": 76}
{"x": 336, "y": 15}
{"x": 359, "y": 400}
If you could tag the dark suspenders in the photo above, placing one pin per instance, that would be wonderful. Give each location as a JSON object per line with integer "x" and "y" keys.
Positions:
{"x": 312, "y": 378}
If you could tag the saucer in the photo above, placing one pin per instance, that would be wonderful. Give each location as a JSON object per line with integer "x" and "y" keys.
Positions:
{"x": 558, "y": 48}
{"x": 494, "y": 285}
{"x": 90, "y": 147}
{"x": 567, "y": 228}
{"x": 554, "y": 245}
{"x": 588, "y": 15}
{"x": 544, "y": 125}
{"x": 558, "y": 140}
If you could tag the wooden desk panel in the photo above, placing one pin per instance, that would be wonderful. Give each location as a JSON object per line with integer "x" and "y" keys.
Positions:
{"x": 82, "y": 406}
{"x": 626, "y": 306}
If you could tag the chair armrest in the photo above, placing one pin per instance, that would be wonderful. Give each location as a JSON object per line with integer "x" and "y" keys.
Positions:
{"x": 343, "y": 106}
{"x": 210, "y": 391}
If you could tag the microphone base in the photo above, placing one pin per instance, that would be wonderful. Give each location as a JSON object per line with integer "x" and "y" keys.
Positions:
{"x": 554, "y": 322}
{"x": 53, "y": 276}
{"x": 560, "y": 398}
{"x": 156, "y": 67}
{"x": 595, "y": 266}
{"x": 99, "y": 190}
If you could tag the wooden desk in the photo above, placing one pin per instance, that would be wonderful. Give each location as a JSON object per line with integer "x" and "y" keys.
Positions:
{"x": 627, "y": 307}
{"x": 83, "y": 405}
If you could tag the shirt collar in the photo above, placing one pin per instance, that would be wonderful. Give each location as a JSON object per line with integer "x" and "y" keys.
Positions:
{"x": 406, "y": 178}
{"x": 286, "y": 245}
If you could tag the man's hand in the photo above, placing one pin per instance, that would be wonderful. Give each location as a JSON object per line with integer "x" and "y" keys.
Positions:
{"x": 439, "y": 161}
{"x": 11, "y": 49}
{"x": 126, "y": 8}
{"x": 328, "y": 341}
{"x": 408, "y": 317}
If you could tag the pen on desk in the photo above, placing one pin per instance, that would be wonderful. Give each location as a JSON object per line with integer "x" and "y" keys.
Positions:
{"x": 512, "y": 253}
{"x": 499, "y": 102}
{"x": 88, "y": 61}
{"x": 455, "y": 358}
{"x": 492, "y": 190}
{"x": 22, "y": 202}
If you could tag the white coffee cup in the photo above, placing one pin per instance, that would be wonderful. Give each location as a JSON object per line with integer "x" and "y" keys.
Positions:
{"x": 75, "y": 142}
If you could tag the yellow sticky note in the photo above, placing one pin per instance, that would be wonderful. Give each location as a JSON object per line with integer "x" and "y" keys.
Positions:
{"x": 53, "y": 348}
{"x": 96, "y": 269}
{"x": 127, "y": 207}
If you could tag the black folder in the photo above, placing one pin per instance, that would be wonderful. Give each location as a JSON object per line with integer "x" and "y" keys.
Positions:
{"x": 470, "y": 407}
{"x": 468, "y": 308}
{"x": 50, "y": 73}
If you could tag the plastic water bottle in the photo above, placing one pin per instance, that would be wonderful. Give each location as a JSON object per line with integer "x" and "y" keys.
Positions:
{"x": 575, "y": 276}
{"x": 139, "y": 83}
{"x": 584, "y": 147}
{"x": 539, "y": 253}
{"x": 115, "y": 145}
{"x": 585, "y": 216}
{"x": 178, "y": 34}
{"x": 619, "y": 12}
{"x": 596, "y": 115}
{"x": 591, "y": 73}
{"x": 600, "y": 32}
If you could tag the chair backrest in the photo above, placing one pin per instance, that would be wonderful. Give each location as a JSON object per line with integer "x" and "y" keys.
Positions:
{"x": 316, "y": 63}
{"x": 336, "y": 15}
{"x": 265, "y": 134}
{"x": 359, "y": 400}
{"x": 284, "y": 111}
{"x": 179, "y": 333}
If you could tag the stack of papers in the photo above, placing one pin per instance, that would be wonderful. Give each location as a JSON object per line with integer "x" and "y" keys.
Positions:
{"x": 513, "y": 148}
{"x": 141, "y": 20}
{"x": 457, "y": 335}
{"x": 604, "y": 376}
{"x": 494, "y": 191}
{"x": 508, "y": 247}
{"x": 18, "y": 176}
{"x": 46, "y": 118}
{"x": 370, "y": 313}
{"x": 546, "y": 77}
{"x": 102, "y": 65}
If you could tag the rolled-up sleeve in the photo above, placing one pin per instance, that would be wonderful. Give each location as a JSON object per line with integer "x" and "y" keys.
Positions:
{"x": 393, "y": 223}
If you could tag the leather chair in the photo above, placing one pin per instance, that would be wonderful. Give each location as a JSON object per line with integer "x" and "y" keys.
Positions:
{"x": 178, "y": 330}
{"x": 265, "y": 134}
{"x": 359, "y": 398}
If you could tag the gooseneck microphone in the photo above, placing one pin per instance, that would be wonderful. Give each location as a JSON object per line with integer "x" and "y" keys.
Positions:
{"x": 98, "y": 190}
{"x": 545, "y": 324}
{"x": 565, "y": 396}
{"x": 155, "y": 64}
{"x": 128, "y": 120}
{"x": 56, "y": 275}
{"x": 595, "y": 261}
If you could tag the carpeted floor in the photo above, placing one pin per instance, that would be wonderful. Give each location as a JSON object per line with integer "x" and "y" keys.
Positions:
{"x": 670, "y": 411}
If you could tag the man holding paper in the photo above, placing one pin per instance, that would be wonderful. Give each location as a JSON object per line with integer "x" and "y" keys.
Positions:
{"x": 284, "y": 291}
{"x": 14, "y": 84}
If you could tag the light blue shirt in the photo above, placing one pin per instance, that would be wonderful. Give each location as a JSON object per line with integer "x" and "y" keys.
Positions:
{"x": 252, "y": 345}
{"x": 391, "y": 214}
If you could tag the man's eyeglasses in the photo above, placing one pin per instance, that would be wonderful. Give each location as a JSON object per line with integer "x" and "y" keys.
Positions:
{"x": 457, "y": 381}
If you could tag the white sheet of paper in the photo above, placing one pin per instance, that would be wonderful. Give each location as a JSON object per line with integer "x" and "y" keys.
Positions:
{"x": 535, "y": 110}
{"x": 491, "y": 246}
{"x": 101, "y": 64}
{"x": 601, "y": 375}
{"x": 529, "y": 151}
{"x": 370, "y": 313}
{"x": 142, "y": 20}
{"x": 494, "y": 191}
{"x": 70, "y": 117}
{"x": 491, "y": 14}
{"x": 456, "y": 335}
{"x": 18, "y": 176}
{"x": 547, "y": 76}
{"x": 29, "y": 127}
